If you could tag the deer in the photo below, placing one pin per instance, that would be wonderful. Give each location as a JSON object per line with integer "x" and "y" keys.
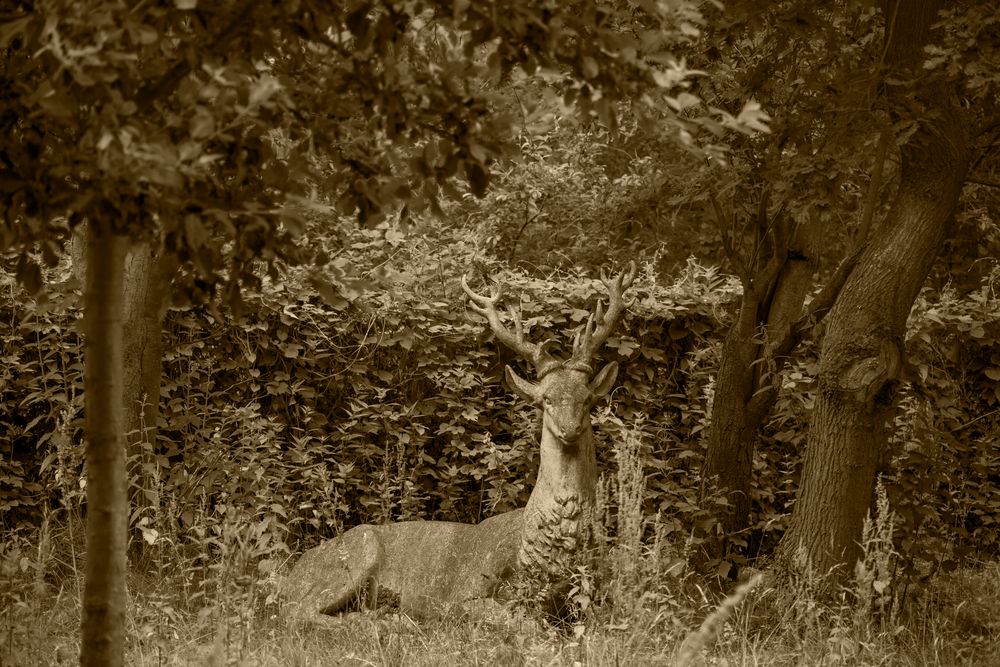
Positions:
{"x": 430, "y": 566}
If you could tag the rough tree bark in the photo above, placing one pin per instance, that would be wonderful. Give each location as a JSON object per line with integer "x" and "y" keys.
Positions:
{"x": 769, "y": 326}
{"x": 103, "y": 623}
{"x": 147, "y": 284}
{"x": 862, "y": 354}
{"x": 772, "y": 302}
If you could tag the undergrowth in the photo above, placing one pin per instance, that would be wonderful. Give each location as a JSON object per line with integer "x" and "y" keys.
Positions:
{"x": 303, "y": 419}
{"x": 206, "y": 593}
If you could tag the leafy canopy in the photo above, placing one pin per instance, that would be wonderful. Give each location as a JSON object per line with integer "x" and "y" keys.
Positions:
{"x": 210, "y": 127}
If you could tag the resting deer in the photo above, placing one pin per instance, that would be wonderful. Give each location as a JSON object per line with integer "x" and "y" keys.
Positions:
{"x": 432, "y": 564}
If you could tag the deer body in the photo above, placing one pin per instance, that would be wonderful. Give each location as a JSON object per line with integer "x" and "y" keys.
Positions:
{"x": 430, "y": 565}
{"x": 427, "y": 566}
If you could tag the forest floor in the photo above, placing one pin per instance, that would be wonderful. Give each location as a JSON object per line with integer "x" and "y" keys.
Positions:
{"x": 182, "y": 615}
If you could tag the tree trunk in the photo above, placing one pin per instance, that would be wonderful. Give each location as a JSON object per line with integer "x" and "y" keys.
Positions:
{"x": 147, "y": 284}
{"x": 103, "y": 627}
{"x": 732, "y": 433}
{"x": 746, "y": 386}
{"x": 862, "y": 354}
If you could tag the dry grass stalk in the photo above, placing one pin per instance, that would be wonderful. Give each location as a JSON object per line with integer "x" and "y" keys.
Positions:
{"x": 692, "y": 646}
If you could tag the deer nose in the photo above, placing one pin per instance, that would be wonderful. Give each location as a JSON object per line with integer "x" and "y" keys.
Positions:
{"x": 569, "y": 434}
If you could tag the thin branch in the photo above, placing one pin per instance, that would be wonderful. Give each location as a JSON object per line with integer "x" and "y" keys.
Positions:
{"x": 979, "y": 418}
{"x": 727, "y": 244}
{"x": 982, "y": 181}
{"x": 774, "y": 228}
{"x": 890, "y": 33}
{"x": 874, "y": 185}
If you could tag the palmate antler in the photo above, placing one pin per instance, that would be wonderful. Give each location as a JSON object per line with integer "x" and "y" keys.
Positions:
{"x": 586, "y": 343}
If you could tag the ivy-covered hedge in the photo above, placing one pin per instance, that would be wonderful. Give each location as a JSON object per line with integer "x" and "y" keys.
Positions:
{"x": 391, "y": 406}
{"x": 385, "y": 401}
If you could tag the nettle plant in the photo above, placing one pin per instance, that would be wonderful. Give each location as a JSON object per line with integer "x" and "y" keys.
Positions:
{"x": 41, "y": 401}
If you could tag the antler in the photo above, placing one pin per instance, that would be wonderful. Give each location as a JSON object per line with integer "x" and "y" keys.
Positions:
{"x": 487, "y": 307}
{"x": 600, "y": 324}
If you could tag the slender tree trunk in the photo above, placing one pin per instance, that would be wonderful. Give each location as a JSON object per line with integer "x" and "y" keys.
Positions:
{"x": 103, "y": 627}
{"x": 147, "y": 284}
{"x": 746, "y": 382}
{"x": 862, "y": 353}
{"x": 732, "y": 435}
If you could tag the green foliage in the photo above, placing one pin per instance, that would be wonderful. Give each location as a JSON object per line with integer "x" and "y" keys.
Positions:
{"x": 211, "y": 128}
{"x": 382, "y": 406}
{"x": 388, "y": 404}
{"x": 945, "y": 455}
{"x": 584, "y": 196}
{"x": 41, "y": 387}
{"x": 970, "y": 50}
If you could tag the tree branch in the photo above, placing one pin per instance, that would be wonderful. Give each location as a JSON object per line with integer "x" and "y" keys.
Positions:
{"x": 982, "y": 181}
{"x": 820, "y": 306}
{"x": 874, "y": 185}
{"x": 727, "y": 244}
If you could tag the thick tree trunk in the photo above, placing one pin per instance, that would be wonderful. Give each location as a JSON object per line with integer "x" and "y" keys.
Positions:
{"x": 862, "y": 354}
{"x": 103, "y": 627}
{"x": 147, "y": 284}
{"x": 746, "y": 383}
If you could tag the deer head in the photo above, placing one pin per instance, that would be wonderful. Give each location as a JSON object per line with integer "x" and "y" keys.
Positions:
{"x": 565, "y": 390}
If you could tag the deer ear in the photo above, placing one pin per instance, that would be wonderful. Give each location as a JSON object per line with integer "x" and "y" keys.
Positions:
{"x": 604, "y": 381}
{"x": 524, "y": 388}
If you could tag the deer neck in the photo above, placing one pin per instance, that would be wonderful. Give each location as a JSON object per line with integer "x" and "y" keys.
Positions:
{"x": 558, "y": 515}
{"x": 566, "y": 469}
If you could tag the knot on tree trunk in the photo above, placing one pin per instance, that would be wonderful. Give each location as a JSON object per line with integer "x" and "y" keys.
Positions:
{"x": 871, "y": 376}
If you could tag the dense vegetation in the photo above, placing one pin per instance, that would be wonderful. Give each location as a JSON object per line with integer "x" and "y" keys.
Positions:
{"x": 387, "y": 404}
{"x": 317, "y": 367}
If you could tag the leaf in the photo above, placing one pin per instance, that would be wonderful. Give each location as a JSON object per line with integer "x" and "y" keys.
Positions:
{"x": 202, "y": 123}
{"x": 185, "y": 4}
{"x": 753, "y": 117}
{"x": 195, "y": 232}
{"x": 149, "y": 535}
{"x": 478, "y": 152}
{"x": 329, "y": 293}
{"x": 394, "y": 237}
{"x": 263, "y": 89}
{"x": 11, "y": 28}
{"x": 683, "y": 101}
{"x": 627, "y": 347}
